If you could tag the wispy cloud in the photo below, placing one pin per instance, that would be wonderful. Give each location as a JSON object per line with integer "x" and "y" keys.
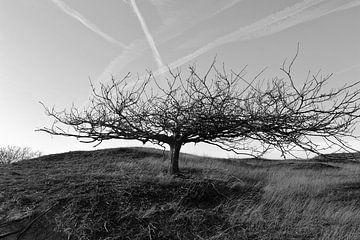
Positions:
{"x": 147, "y": 35}
{"x": 75, "y": 14}
{"x": 289, "y": 17}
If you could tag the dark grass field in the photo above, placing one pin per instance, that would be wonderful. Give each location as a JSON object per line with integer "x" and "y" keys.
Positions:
{"x": 126, "y": 193}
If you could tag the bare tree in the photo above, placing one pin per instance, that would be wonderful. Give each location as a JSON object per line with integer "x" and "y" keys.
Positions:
{"x": 11, "y": 154}
{"x": 221, "y": 108}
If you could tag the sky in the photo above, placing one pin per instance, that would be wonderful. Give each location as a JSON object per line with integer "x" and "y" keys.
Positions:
{"x": 49, "y": 49}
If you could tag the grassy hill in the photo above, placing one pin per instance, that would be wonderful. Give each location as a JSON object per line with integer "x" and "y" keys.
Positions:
{"x": 125, "y": 193}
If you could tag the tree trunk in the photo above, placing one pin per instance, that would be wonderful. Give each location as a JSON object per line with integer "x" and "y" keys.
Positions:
{"x": 174, "y": 158}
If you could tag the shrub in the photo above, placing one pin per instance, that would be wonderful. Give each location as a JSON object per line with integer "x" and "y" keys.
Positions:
{"x": 10, "y": 154}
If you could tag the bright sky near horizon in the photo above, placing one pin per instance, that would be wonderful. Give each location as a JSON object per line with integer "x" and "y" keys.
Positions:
{"x": 50, "y": 48}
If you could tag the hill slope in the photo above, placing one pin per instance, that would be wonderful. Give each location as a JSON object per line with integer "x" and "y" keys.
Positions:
{"x": 125, "y": 193}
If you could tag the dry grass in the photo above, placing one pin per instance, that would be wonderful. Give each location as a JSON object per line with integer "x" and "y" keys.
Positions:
{"x": 127, "y": 194}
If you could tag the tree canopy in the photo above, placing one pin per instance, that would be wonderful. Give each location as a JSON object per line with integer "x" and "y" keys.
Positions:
{"x": 221, "y": 108}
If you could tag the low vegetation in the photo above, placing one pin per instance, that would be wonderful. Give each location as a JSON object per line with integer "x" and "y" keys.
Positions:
{"x": 126, "y": 193}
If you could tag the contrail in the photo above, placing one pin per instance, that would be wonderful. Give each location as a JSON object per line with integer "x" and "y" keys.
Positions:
{"x": 148, "y": 35}
{"x": 134, "y": 51}
{"x": 274, "y": 23}
{"x": 138, "y": 46}
{"x": 71, "y": 12}
{"x": 271, "y": 24}
{"x": 350, "y": 68}
{"x": 226, "y": 7}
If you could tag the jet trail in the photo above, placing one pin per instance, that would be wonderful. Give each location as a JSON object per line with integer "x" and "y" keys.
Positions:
{"x": 226, "y": 7}
{"x": 148, "y": 35}
{"x": 74, "y": 14}
{"x": 274, "y": 23}
{"x": 350, "y": 68}
{"x": 134, "y": 51}
{"x": 138, "y": 46}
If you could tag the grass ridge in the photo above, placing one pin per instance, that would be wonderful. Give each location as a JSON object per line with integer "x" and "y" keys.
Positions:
{"x": 125, "y": 193}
